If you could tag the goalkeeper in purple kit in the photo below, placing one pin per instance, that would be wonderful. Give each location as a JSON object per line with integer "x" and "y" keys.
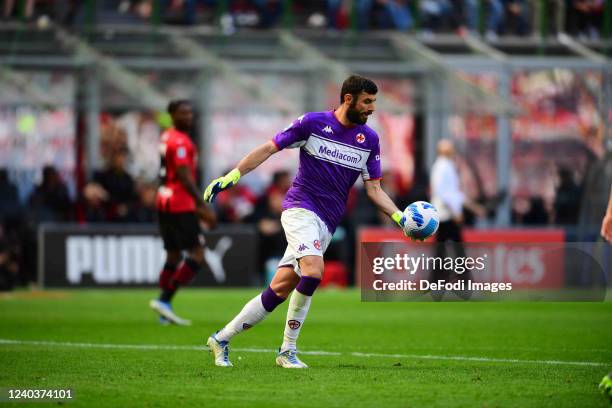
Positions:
{"x": 336, "y": 147}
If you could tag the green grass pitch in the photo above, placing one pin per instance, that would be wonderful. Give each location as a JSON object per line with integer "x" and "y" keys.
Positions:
{"x": 380, "y": 354}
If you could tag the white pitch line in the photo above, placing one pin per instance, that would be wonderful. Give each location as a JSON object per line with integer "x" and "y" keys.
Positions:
{"x": 483, "y": 359}
{"x": 313, "y": 352}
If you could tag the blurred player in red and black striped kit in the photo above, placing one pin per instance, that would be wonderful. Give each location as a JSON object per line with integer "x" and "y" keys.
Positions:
{"x": 181, "y": 207}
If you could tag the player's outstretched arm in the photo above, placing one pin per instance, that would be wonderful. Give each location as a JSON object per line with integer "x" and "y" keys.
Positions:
{"x": 249, "y": 163}
{"x": 384, "y": 203}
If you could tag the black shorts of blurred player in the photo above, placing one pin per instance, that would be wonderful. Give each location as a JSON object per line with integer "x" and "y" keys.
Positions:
{"x": 180, "y": 232}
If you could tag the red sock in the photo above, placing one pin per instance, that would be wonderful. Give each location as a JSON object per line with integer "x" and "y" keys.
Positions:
{"x": 185, "y": 272}
{"x": 165, "y": 276}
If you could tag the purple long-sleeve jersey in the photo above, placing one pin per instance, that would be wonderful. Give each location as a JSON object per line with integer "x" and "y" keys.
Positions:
{"x": 332, "y": 156}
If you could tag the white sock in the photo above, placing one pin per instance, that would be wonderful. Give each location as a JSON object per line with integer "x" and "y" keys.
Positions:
{"x": 296, "y": 314}
{"x": 251, "y": 314}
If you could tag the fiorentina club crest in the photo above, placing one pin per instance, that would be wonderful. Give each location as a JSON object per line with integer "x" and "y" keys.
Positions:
{"x": 294, "y": 324}
{"x": 360, "y": 138}
{"x": 317, "y": 244}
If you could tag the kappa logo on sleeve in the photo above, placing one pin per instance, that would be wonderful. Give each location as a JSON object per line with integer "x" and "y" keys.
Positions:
{"x": 302, "y": 247}
{"x": 289, "y": 126}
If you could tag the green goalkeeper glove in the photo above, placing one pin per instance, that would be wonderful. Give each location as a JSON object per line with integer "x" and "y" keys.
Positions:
{"x": 220, "y": 184}
{"x": 606, "y": 386}
{"x": 400, "y": 219}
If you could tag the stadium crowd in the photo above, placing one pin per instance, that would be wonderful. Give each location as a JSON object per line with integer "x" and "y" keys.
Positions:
{"x": 494, "y": 17}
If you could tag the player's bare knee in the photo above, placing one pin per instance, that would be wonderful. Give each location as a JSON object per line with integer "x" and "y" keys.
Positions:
{"x": 284, "y": 282}
{"x": 312, "y": 266}
{"x": 173, "y": 258}
{"x": 282, "y": 289}
{"x": 197, "y": 254}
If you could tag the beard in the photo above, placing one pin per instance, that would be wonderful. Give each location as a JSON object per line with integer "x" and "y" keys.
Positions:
{"x": 356, "y": 117}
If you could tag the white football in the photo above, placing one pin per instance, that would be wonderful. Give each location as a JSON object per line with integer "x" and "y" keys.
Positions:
{"x": 422, "y": 219}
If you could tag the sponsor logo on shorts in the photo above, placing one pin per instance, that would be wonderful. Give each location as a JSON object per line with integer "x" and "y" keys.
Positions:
{"x": 294, "y": 324}
{"x": 317, "y": 244}
{"x": 246, "y": 326}
{"x": 302, "y": 247}
{"x": 360, "y": 138}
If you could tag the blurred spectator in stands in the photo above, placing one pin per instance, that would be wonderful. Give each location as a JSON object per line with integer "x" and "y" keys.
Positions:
{"x": 235, "y": 204}
{"x": 267, "y": 215}
{"x": 516, "y": 17}
{"x": 479, "y": 194}
{"x": 269, "y": 12}
{"x": 118, "y": 185}
{"x": 26, "y": 9}
{"x": 447, "y": 195}
{"x": 9, "y": 197}
{"x": 395, "y": 15}
{"x": 531, "y": 211}
{"x": 145, "y": 210}
{"x": 539, "y": 212}
{"x": 79, "y": 12}
{"x": 93, "y": 204}
{"x": 449, "y": 199}
{"x": 567, "y": 198}
{"x": 339, "y": 13}
{"x": 583, "y": 17}
{"x": 50, "y": 200}
{"x": 112, "y": 137}
{"x": 520, "y": 207}
{"x": 360, "y": 210}
{"x": 8, "y": 264}
{"x": 401, "y": 197}
{"x": 388, "y": 14}
{"x": 281, "y": 182}
{"x": 238, "y": 13}
{"x": 6, "y": 278}
{"x": 494, "y": 12}
{"x": 434, "y": 14}
{"x": 13, "y": 234}
{"x": 186, "y": 11}
{"x": 419, "y": 190}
